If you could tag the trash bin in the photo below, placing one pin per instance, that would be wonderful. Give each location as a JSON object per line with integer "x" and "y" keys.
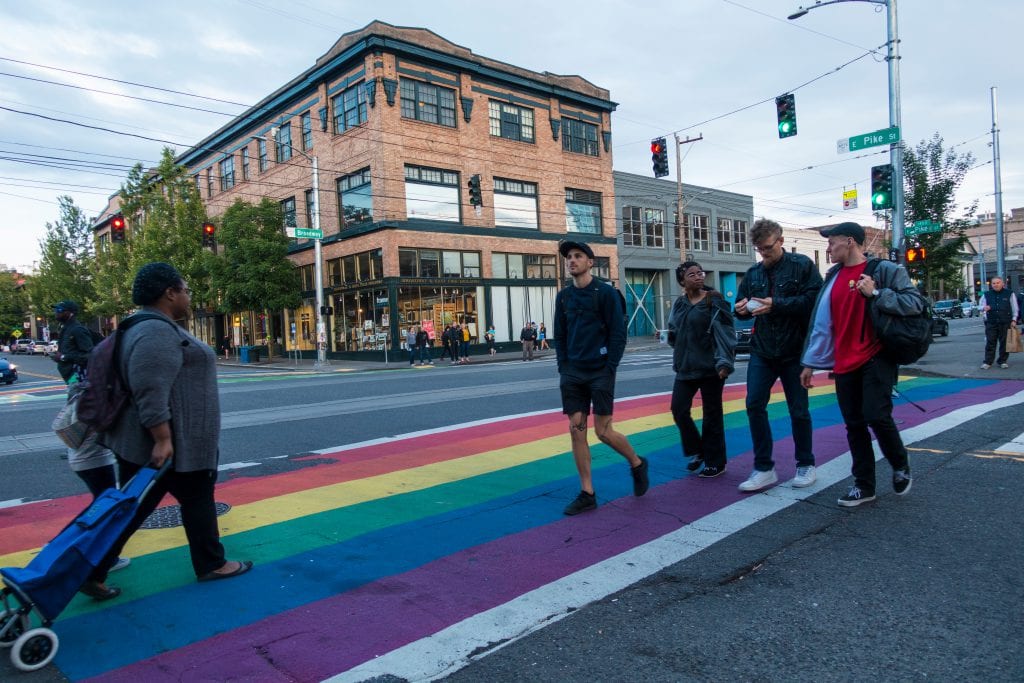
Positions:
{"x": 243, "y": 354}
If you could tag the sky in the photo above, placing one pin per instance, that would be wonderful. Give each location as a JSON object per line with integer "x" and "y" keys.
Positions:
{"x": 696, "y": 68}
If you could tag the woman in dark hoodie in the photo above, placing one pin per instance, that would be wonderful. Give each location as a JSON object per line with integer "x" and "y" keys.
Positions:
{"x": 700, "y": 330}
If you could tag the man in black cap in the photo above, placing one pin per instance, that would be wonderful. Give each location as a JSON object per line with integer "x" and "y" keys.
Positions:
{"x": 74, "y": 342}
{"x": 590, "y": 338}
{"x": 842, "y": 339}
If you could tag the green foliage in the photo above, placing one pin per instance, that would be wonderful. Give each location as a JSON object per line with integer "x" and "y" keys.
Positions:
{"x": 253, "y": 271}
{"x": 66, "y": 262}
{"x": 931, "y": 177}
{"x": 13, "y": 304}
{"x": 164, "y": 216}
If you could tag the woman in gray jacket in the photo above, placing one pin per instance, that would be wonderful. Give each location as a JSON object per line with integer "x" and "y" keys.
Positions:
{"x": 700, "y": 330}
{"x": 174, "y": 412}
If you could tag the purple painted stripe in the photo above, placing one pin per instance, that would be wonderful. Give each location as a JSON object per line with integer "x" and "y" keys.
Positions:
{"x": 333, "y": 635}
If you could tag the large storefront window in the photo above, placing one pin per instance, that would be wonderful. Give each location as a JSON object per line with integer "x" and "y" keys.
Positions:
{"x": 435, "y": 307}
{"x": 362, "y": 320}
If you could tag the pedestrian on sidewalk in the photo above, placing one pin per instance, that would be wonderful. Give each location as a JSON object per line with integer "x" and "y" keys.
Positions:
{"x": 590, "y": 338}
{"x": 527, "y": 336}
{"x": 174, "y": 412}
{"x": 489, "y": 338}
{"x": 703, "y": 340}
{"x": 446, "y": 340}
{"x": 410, "y": 343}
{"x": 542, "y": 337}
{"x": 999, "y": 308}
{"x": 779, "y": 293}
{"x": 91, "y": 462}
{"x": 455, "y": 338}
{"x": 464, "y": 349}
{"x": 423, "y": 346}
{"x": 841, "y": 338}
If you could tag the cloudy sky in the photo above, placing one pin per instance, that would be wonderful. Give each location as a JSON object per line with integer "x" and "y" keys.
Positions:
{"x": 692, "y": 67}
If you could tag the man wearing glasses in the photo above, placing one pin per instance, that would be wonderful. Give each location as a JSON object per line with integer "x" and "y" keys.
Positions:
{"x": 779, "y": 292}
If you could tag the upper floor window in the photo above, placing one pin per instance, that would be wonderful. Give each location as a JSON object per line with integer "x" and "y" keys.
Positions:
{"x": 511, "y": 122}
{"x": 732, "y": 236}
{"x": 426, "y": 102}
{"x": 227, "y": 173}
{"x": 307, "y": 131}
{"x": 288, "y": 209}
{"x": 700, "y": 233}
{"x": 582, "y": 211}
{"x": 579, "y": 136}
{"x": 432, "y": 262}
{"x": 643, "y": 227}
{"x": 310, "y": 208}
{"x": 261, "y": 154}
{"x": 349, "y": 108}
{"x": 515, "y": 203}
{"x": 355, "y": 198}
{"x": 209, "y": 182}
{"x": 284, "y": 143}
{"x": 432, "y": 194}
{"x": 245, "y": 163}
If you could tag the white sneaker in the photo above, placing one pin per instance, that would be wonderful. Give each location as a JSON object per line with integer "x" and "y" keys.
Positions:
{"x": 1004, "y": 365}
{"x": 985, "y": 366}
{"x": 121, "y": 563}
{"x": 759, "y": 480}
{"x": 805, "y": 476}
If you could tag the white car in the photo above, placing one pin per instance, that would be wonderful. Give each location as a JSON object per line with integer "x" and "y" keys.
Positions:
{"x": 24, "y": 346}
{"x": 51, "y": 347}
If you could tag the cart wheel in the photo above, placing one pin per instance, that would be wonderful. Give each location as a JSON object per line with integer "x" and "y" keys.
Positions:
{"x": 34, "y": 649}
{"x": 12, "y": 625}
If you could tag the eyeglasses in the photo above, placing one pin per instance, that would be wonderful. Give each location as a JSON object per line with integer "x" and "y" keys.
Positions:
{"x": 766, "y": 248}
{"x": 696, "y": 274}
{"x": 186, "y": 290}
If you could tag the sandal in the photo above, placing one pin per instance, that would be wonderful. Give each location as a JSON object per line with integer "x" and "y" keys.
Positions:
{"x": 242, "y": 568}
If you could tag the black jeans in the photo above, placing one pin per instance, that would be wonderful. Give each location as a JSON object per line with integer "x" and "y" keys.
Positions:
{"x": 194, "y": 492}
{"x": 865, "y": 400}
{"x": 710, "y": 441}
{"x": 995, "y": 333}
{"x": 98, "y": 479}
{"x": 761, "y": 376}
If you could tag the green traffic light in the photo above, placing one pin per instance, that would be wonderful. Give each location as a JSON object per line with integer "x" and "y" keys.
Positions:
{"x": 880, "y": 199}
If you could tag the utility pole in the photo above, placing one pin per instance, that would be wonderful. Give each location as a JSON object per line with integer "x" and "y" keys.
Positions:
{"x": 679, "y": 186}
{"x": 1000, "y": 256}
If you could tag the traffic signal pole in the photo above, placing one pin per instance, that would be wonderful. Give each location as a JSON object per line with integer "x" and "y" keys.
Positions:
{"x": 679, "y": 186}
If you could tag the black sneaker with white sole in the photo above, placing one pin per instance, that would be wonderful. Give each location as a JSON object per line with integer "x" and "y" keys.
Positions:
{"x": 901, "y": 481}
{"x": 710, "y": 471}
{"x": 855, "y": 497}
{"x": 696, "y": 463}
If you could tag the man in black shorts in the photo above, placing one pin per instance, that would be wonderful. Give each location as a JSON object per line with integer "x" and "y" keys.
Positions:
{"x": 590, "y": 338}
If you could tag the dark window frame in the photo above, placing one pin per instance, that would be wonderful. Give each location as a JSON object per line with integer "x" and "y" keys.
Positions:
{"x": 579, "y": 137}
{"x": 507, "y": 121}
{"x": 418, "y": 99}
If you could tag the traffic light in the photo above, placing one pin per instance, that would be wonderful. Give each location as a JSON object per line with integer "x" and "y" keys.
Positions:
{"x": 881, "y": 187}
{"x": 476, "y": 197}
{"x": 117, "y": 228}
{"x": 916, "y": 255}
{"x": 659, "y": 157}
{"x": 785, "y": 108}
{"x": 209, "y": 235}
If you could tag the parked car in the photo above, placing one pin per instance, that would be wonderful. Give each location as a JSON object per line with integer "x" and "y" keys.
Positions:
{"x": 947, "y": 308}
{"x": 743, "y": 328}
{"x": 968, "y": 309}
{"x": 51, "y": 347}
{"x": 940, "y": 326}
{"x": 8, "y": 371}
{"x": 24, "y": 346}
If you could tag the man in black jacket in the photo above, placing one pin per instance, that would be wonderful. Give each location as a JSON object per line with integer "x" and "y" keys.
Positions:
{"x": 779, "y": 293}
{"x": 999, "y": 307}
{"x": 590, "y": 338}
{"x": 74, "y": 342}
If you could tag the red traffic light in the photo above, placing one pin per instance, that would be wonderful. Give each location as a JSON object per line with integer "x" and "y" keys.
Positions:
{"x": 117, "y": 222}
{"x": 209, "y": 229}
{"x": 657, "y": 147}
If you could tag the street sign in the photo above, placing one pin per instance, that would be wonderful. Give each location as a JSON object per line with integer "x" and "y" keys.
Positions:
{"x": 886, "y": 136}
{"x": 921, "y": 227}
{"x": 849, "y": 199}
{"x": 304, "y": 233}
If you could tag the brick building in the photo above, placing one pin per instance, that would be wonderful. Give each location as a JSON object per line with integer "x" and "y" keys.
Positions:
{"x": 400, "y": 120}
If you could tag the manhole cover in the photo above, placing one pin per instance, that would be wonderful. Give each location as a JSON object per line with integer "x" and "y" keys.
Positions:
{"x": 170, "y": 516}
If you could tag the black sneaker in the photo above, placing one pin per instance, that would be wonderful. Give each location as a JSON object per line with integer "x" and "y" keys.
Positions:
{"x": 710, "y": 471}
{"x": 640, "y": 480}
{"x": 696, "y": 463}
{"x": 585, "y": 501}
{"x": 855, "y": 497}
{"x": 901, "y": 480}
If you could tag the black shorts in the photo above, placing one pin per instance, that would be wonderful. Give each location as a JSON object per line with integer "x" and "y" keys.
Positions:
{"x": 580, "y": 388}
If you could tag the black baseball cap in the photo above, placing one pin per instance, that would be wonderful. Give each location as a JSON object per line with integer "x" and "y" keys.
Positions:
{"x": 565, "y": 245}
{"x": 66, "y": 305}
{"x": 848, "y": 229}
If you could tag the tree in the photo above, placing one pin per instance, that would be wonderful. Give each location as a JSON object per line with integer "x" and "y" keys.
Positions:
{"x": 66, "y": 263}
{"x": 13, "y": 304}
{"x": 253, "y": 271}
{"x": 931, "y": 177}
{"x": 164, "y": 216}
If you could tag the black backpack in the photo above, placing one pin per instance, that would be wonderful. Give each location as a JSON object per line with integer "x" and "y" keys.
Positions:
{"x": 905, "y": 338}
{"x": 105, "y": 393}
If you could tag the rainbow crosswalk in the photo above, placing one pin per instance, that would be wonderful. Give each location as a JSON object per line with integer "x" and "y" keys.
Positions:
{"x": 391, "y": 543}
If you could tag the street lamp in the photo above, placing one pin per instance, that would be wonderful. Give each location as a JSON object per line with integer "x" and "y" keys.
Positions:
{"x": 896, "y": 148}
{"x": 321, "y": 361}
